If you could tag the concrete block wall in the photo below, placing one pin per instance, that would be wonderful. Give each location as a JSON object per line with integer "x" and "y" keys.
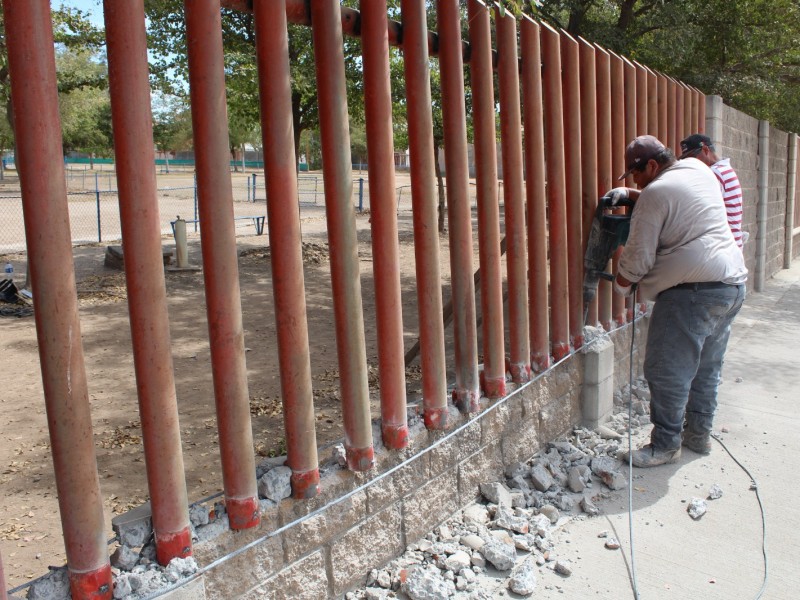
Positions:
{"x": 777, "y": 199}
{"x": 325, "y": 546}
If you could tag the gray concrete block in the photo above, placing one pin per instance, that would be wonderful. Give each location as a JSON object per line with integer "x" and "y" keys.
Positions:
{"x": 307, "y": 578}
{"x": 245, "y": 571}
{"x": 368, "y": 545}
{"x": 498, "y": 420}
{"x": 194, "y": 590}
{"x": 402, "y": 482}
{"x": 428, "y": 506}
{"x": 484, "y": 466}
{"x": 134, "y": 527}
{"x": 520, "y": 446}
{"x": 598, "y": 362}
{"x": 451, "y": 452}
{"x": 597, "y": 402}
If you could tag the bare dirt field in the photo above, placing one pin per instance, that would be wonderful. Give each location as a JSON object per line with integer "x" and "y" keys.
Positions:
{"x": 30, "y": 530}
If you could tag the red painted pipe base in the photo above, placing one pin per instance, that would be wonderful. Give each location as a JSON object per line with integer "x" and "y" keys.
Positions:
{"x": 435, "y": 419}
{"x": 305, "y": 484}
{"x": 394, "y": 437}
{"x": 540, "y": 362}
{"x": 621, "y": 319}
{"x": 467, "y": 401}
{"x": 173, "y": 545}
{"x": 243, "y": 513}
{"x": 493, "y": 387}
{"x": 560, "y": 350}
{"x": 577, "y": 341}
{"x": 360, "y": 459}
{"x": 607, "y": 325}
{"x": 520, "y": 373}
{"x": 91, "y": 585}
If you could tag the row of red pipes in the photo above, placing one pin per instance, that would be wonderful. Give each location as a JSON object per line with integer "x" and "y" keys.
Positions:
{"x": 589, "y": 102}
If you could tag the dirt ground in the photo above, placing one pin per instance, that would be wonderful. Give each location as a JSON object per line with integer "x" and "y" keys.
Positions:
{"x": 30, "y": 530}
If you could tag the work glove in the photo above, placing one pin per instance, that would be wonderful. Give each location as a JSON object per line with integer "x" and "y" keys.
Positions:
{"x": 623, "y": 290}
{"x": 615, "y": 196}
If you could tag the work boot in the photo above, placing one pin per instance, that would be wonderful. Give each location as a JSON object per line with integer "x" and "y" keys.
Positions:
{"x": 649, "y": 456}
{"x": 695, "y": 441}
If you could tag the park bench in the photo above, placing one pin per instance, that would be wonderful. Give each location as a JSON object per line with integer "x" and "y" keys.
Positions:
{"x": 258, "y": 222}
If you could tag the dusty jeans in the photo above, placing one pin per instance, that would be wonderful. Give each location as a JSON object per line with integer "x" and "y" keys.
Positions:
{"x": 686, "y": 343}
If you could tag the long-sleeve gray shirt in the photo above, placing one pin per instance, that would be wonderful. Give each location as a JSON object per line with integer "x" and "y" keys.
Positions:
{"x": 680, "y": 233}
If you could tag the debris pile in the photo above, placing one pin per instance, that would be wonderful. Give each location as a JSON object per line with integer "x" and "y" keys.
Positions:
{"x": 506, "y": 539}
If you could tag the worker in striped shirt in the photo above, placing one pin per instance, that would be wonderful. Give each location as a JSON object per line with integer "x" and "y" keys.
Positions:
{"x": 700, "y": 146}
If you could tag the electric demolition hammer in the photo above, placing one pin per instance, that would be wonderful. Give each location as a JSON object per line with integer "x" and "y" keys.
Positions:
{"x": 609, "y": 231}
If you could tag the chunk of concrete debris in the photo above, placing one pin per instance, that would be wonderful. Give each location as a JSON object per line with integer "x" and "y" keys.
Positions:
{"x": 134, "y": 527}
{"x": 508, "y": 520}
{"x": 472, "y": 541}
{"x": 54, "y": 585}
{"x": 378, "y": 594}
{"x": 476, "y": 514}
{"x": 614, "y": 480}
{"x": 496, "y": 493}
{"x": 427, "y": 583}
{"x": 523, "y": 579}
{"x": 715, "y": 493}
{"x": 502, "y": 556}
{"x": 517, "y": 469}
{"x": 124, "y": 558}
{"x": 541, "y": 478}
{"x": 198, "y": 515}
{"x": 563, "y": 567}
{"x": 607, "y": 433}
{"x": 575, "y": 480}
{"x": 612, "y": 543}
{"x": 551, "y": 512}
{"x": 457, "y": 561}
{"x": 697, "y": 508}
{"x": 589, "y": 507}
{"x": 276, "y": 484}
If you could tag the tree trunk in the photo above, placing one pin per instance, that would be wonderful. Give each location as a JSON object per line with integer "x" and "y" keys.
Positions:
{"x": 440, "y": 186}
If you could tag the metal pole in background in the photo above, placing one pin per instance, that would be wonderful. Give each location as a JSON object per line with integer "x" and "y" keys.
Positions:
{"x": 514, "y": 195}
{"x": 97, "y": 202}
{"x": 220, "y": 261}
{"x": 536, "y": 196}
{"x": 291, "y": 319}
{"x": 40, "y": 162}
{"x": 383, "y": 222}
{"x": 762, "y": 211}
{"x": 588, "y": 105}
{"x": 345, "y": 273}
{"x": 791, "y": 192}
{"x": 493, "y": 378}
{"x": 570, "y": 76}
{"x": 618, "y": 143}
{"x": 425, "y": 207}
{"x": 556, "y": 193}
{"x": 129, "y": 87}
{"x": 467, "y": 393}
{"x": 629, "y": 70}
{"x": 605, "y": 178}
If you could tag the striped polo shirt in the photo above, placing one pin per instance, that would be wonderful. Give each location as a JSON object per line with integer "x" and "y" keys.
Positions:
{"x": 731, "y": 194}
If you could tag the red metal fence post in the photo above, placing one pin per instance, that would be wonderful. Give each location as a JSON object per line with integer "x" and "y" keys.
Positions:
{"x": 44, "y": 200}
{"x": 618, "y": 143}
{"x": 514, "y": 197}
{"x": 672, "y": 141}
{"x": 688, "y": 111}
{"x": 220, "y": 261}
{"x": 701, "y": 125}
{"x": 129, "y": 85}
{"x": 588, "y": 151}
{"x": 641, "y": 100}
{"x": 3, "y": 594}
{"x": 652, "y": 104}
{"x": 570, "y": 80}
{"x": 424, "y": 200}
{"x": 535, "y": 193}
{"x": 663, "y": 129}
{"x": 466, "y": 394}
{"x": 556, "y": 192}
{"x": 630, "y": 133}
{"x": 291, "y": 321}
{"x": 345, "y": 275}
{"x": 680, "y": 110}
{"x": 383, "y": 219}
{"x": 605, "y": 180}
{"x": 493, "y": 377}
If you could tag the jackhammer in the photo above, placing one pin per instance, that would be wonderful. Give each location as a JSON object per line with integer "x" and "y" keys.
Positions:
{"x": 608, "y": 232}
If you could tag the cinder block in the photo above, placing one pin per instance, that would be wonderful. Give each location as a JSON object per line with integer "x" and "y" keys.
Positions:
{"x": 521, "y": 445}
{"x": 451, "y": 452}
{"x": 598, "y": 362}
{"x": 484, "y": 466}
{"x": 194, "y": 590}
{"x": 428, "y": 506}
{"x": 307, "y": 578}
{"x": 598, "y": 402}
{"x": 392, "y": 488}
{"x": 245, "y": 571}
{"x": 500, "y": 419}
{"x": 368, "y": 545}
{"x": 317, "y": 530}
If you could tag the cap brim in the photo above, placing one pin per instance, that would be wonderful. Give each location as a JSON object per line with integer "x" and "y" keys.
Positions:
{"x": 689, "y": 153}
{"x": 625, "y": 174}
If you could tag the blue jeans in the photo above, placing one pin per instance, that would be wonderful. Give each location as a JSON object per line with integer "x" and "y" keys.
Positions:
{"x": 686, "y": 343}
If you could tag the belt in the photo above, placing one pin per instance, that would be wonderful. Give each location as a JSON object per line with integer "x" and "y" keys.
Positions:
{"x": 702, "y": 285}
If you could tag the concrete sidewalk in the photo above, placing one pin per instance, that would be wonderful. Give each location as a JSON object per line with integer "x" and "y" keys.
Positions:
{"x": 718, "y": 556}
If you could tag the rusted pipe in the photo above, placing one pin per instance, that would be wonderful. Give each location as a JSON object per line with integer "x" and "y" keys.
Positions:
{"x": 588, "y": 102}
{"x": 652, "y": 104}
{"x": 383, "y": 221}
{"x": 605, "y": 178}
{"x": 341, "y": 217}
{"x": 680, "y": 110}
{"x": 570, "y": 80}
{"x": 3, "y": 594}
{"x": 672, "y": 141}
{"x": 661, "y": 86}
{"x": 701, "y": 125}
{"x": 630, "y": 105}
{"x": 695, "y": 109}
{"x": 291, "y": 319}
{"x": 618, "y": 143}
{"x": 556, "y": 192}
{"x": 47, "y": 230}
{"x": 425, "y": 208}
{"x": 531, "y": 75}
{"x": 220, "y": 261}
{"x": 641, "y": 99}
{"x": 514, "y": 197}
{"x": 126, "y": 41}
{"x": 466, "y": 394}
{"x": 688, "y": 111}
{"x": 493, "y": 377}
